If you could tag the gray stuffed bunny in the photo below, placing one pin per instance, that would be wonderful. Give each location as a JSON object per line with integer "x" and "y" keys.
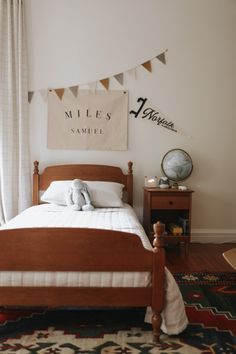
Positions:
{"x": 78, "y": 197}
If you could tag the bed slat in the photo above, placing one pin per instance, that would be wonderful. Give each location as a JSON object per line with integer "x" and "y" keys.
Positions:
{"x": 64, "y": 297}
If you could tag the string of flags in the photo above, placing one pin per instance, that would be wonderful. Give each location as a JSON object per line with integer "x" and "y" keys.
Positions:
{"x": 104, "y": 82}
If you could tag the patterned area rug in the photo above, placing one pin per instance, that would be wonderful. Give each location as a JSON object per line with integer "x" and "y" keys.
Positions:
{"x": 210, "y": 305}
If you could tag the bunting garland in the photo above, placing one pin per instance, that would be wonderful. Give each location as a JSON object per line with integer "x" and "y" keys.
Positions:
{"x": 119, "y": 78}
{"x": 147, "y": 65}
{"x": 92, "y": 86}
{"x": 30, "y": 96}
{"x": 132, "y": 72}
{"x": 162, "y": 57}
{"x": 44, "y": 95}
{"x": 74, "y": 90}
{"x": 104, "y": 82}
{"x": 60, "y": 92}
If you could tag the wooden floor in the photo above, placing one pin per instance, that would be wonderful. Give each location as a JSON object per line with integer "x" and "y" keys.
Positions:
{"x": 201, "y": 257}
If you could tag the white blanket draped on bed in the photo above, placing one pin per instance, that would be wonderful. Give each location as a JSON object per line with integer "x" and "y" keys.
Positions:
{"x": 120, "y": 219}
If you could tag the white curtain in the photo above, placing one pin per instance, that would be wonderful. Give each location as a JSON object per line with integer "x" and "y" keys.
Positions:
{"x": 15, "y": 188}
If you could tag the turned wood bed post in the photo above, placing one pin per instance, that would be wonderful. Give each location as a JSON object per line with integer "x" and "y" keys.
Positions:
{"x": 36, "y": 183}
{"x": 158, "y": 280}
{"x": 130, "y": 183}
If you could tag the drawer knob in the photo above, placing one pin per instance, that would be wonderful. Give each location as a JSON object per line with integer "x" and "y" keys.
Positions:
{"x": 171, "y": 202}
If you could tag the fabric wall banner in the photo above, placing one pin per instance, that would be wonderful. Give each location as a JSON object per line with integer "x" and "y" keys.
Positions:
{"x": 90, "y": 121}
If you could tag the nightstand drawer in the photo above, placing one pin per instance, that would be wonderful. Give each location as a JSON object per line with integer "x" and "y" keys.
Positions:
{"x": 170, "y": 202}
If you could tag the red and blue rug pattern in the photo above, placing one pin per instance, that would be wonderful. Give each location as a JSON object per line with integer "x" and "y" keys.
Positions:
{"x": 210, "y": 303}
{"x": 210, "y": 300}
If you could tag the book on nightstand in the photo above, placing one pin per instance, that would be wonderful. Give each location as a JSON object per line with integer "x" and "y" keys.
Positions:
{"x": 185, "y": 225}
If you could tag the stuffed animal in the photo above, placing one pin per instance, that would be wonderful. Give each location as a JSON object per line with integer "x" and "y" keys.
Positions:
{"x": 78, "y": 197}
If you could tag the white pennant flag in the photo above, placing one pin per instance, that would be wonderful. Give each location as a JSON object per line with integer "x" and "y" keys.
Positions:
{"x": 132, "y": 72}
{"x": 93, "y": 86}
{"x": 44, "y": 95}
{"x": 147, "y": 111}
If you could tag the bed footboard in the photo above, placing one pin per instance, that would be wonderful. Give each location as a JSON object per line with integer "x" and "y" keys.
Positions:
{"x": 79, "y": 250}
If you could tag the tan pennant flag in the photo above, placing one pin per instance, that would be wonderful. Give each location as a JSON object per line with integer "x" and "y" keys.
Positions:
{"x": 60, "y": 92}
{"x": 30, "y": 96}
{"x": 147, "y": 65}
{"x": 162, "y": 57}
{"x": 74, "y": 90}
{"x": 105, "y": 83}
{"x": 44, "y": 95}
{"x": 119, "y": 78}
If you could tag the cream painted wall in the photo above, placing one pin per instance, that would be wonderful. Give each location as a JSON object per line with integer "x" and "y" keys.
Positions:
{"x": 73, "y": 42}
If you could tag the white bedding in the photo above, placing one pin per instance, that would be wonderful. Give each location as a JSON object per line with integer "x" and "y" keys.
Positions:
{"x": 121, "y": 219}
{"x": 50, "y": 215}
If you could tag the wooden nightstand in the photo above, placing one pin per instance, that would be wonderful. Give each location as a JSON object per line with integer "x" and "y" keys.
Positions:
{"x": 170, "y": 206}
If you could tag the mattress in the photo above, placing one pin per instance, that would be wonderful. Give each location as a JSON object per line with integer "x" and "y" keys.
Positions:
{"x": 49, "y": 215}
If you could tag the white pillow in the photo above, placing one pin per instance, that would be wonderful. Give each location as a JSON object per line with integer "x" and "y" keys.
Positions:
{"x": 55, "y": 193}
{"x": 103, "y": 194}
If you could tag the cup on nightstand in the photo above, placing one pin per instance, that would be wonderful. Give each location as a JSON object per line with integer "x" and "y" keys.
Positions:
{"x": 151, "y": 182}
{"x": 164, "y": 182}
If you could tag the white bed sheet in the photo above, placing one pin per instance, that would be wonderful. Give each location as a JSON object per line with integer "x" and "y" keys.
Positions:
{"x": 120, "y": 219}
{"x": 50, "y": 215}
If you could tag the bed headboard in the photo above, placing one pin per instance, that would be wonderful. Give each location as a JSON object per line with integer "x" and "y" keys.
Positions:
{"x": 84, "y": 172}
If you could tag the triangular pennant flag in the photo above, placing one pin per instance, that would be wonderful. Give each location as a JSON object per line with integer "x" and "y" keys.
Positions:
{"x": 105, "y": 83}
{"x": 74, "y": 90}
{"x": 147, "y": 65}
{"x": 60, "y": 92}
{"x": 162, "y": 57}
{"x": 132, "y": 72}
{"x": 119, "y": 78}
{"x": 92, "y": 86}
{"x": 30, "y": 95}
{"x": 44, "y": 95}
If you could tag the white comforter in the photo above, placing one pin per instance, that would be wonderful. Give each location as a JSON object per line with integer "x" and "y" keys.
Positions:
{"x": 121, "y": 219}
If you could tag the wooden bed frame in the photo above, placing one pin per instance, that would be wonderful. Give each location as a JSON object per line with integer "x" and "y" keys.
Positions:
{"x": 83, "y": 249}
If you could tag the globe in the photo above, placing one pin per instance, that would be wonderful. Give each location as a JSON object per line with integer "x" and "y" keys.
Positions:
{"x": 177, "y": 165}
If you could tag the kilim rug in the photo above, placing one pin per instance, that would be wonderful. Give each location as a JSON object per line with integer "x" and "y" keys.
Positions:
{"x": 210, "y": 300}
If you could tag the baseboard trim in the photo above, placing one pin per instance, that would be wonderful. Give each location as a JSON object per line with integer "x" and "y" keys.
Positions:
{"x": 213, "y": 235}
